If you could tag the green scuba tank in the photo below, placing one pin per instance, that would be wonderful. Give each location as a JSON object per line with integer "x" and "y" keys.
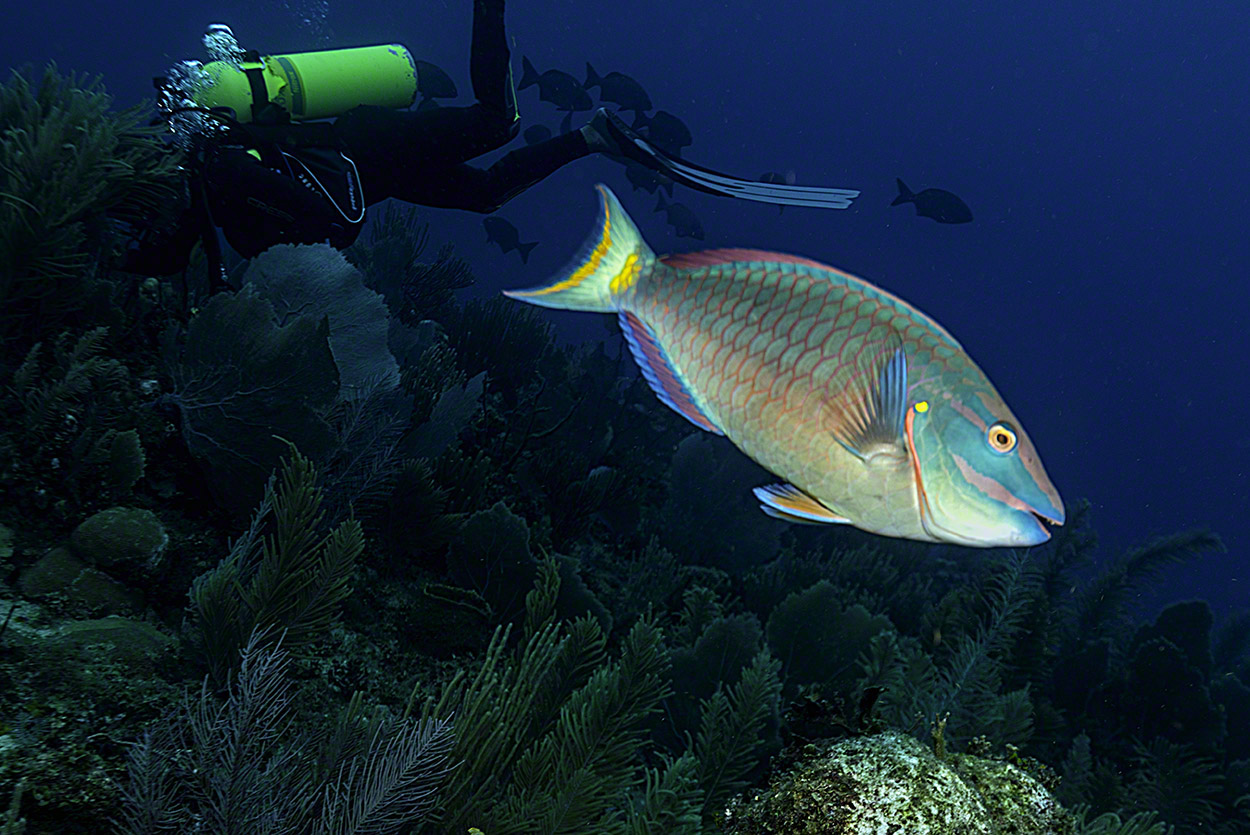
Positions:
{"x": 310, "y": 85}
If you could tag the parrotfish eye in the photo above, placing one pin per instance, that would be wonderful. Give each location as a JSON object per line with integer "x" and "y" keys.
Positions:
{"x": 1001, "y": 437}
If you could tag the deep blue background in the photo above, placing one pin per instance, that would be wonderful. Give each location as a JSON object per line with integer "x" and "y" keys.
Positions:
{"x": 1101, "y": 145}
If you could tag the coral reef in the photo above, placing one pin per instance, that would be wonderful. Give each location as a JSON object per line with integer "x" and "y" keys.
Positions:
{"x": 892, "y": 783}
{"x": 54, "y": 206}
{"x": 342, "y": 547}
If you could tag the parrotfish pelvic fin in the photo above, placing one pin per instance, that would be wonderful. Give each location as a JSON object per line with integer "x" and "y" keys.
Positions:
{"x": 665, "y": 379}
{"x": 789, "y": 503}
{"x": 611, "y": 260}
{"x": 869, "y": 401}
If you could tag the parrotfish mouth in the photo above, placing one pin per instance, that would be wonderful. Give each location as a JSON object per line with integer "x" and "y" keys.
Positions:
{"x": 1034, "y": 531}
{"x": 1031, "y": 526}
{"x": 1045, "y": 522}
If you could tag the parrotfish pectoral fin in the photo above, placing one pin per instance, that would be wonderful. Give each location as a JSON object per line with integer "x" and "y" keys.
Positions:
{"x": 870, "y": 402}
{"x": 664, "y": 377}
{"x": 785, "y": 501}
{"x": 611, "y": 260}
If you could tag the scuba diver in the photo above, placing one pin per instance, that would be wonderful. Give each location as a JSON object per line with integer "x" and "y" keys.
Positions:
{"x": 264, "y": 170}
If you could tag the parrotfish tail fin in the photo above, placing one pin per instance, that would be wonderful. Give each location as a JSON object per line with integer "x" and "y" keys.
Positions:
{"x": 525, "y": 250}
{"x": 529, "y": 75}
{"x": 592, "y": 78}
{"x": 611, "y": 260}
{"x": 905, "y": 195}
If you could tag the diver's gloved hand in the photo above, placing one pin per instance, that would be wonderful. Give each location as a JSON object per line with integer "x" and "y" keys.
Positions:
{"x": 599, "y": 137}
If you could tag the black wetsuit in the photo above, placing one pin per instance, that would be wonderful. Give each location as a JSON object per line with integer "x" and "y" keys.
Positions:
{"x": 419, "y": 156}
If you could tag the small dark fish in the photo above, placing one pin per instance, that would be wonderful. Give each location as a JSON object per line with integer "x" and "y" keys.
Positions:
{"x": 643, "y": 178}
{"x": 506, "y": 236}
{"x": 936, "y": 203}
{"x": 681, "y": 218}
{"x": 664, "y": 130}
{"x": 776, "y": 179}
{"x": 427, "y": 104}
{"x": 555, "y": 86}
{"x": 536, "y": 133}
{"x": 433, "y": 83}
{"x": 619, "y": 89}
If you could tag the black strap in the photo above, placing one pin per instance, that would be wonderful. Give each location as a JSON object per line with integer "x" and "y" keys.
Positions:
{"x": 297, "y": 134}
{"x": 256, "y": 80}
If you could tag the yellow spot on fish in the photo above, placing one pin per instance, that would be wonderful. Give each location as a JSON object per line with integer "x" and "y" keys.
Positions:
{"x": 922, "y": 406}
{"x": 625, "y": 279}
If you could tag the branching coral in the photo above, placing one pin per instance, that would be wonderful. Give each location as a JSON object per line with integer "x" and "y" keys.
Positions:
{"x": 284, "y": 574}
{"x": 240, "y": 765}
{"x": 75, "y": 440}
{"x": 968, "y": 683}
{"x": 1100, "y": 608}
{"x": 67, "y": 163}
{"x": 390, "y": 256}
{"x": 547, "y": 737}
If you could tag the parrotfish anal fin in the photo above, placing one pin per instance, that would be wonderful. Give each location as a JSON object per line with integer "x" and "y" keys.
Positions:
{"x": 785, "y": 501}
{"x": 869, "y": 401}
{"x": 664, "y": 378}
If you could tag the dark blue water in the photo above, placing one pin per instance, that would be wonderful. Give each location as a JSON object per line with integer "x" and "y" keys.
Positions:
{"x": 1100, "y": 145}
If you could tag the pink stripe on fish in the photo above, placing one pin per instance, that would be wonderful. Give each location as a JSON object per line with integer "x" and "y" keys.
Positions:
{"x": 989, "y": 486}
{"x": 968, "y": 415}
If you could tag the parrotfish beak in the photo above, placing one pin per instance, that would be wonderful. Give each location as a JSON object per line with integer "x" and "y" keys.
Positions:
{"x": 1035, "y": 529}
{"x": 1040, "y": 501}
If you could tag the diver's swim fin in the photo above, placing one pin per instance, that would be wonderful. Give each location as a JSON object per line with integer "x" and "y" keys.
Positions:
{"x": 693, "y": 176}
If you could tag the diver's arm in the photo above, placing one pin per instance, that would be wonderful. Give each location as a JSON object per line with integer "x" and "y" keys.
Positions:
{"x": 163, "y": 251}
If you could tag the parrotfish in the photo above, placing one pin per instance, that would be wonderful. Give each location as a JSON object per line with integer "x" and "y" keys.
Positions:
{"x": 869, "y": 410}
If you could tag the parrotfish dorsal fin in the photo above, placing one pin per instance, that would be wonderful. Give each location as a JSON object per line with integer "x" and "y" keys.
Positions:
{"x": 869, "y": 401}
{"x": 785, "y": 501}
{"x": 665, "y": 379}
{"x": 715, "y": 257}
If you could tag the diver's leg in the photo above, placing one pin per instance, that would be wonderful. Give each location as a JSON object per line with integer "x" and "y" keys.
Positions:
{"x": 485, "y": 190}
{"x": 490, "y": 63}
{"x": 492, "y": 121}
{"x": 401, "y": 138}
